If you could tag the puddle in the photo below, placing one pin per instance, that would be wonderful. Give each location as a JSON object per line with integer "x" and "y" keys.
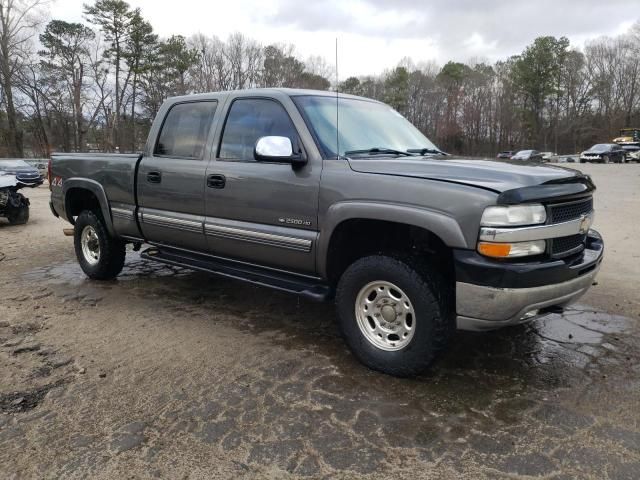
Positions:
{"x": 573, "y": 339}
{"x": 557, "y": 350}
{"x": 484, "y": 396}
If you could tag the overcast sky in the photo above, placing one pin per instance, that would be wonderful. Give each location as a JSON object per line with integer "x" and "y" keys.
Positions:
{"x": 374, "y": 35}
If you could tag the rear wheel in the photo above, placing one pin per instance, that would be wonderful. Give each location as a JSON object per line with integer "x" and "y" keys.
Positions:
{"x": 394, "y": 318}
{"x": 101, "y": 256}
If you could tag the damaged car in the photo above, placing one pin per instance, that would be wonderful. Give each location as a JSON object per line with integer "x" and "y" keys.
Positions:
{"x": 13, "y": 205}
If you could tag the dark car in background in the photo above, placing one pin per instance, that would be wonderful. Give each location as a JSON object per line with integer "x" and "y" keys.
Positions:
{"x": 604, "y": 153}
{"x": 505, "y": 154}
{"x": 26, "y": 174}
{"x": 528, "y": 155}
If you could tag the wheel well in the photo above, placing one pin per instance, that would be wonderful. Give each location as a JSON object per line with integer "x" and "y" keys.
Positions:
{"x": 357, "y": 238}
{"x": 79, "y": 199}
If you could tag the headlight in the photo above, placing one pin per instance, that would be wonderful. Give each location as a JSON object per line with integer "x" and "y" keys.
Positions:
{"x": 512, "y": 250}
{"x": 513, "y": 215}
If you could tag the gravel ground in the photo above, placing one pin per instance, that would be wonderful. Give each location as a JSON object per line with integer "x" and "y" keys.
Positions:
{"x": 174, "y": 374}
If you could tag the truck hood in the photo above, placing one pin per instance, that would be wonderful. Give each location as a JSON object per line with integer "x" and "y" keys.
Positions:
{"x": 495, "y": 175}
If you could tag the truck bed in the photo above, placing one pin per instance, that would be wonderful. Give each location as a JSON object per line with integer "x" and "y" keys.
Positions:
{"x": 114, "y": 171}
{"x": 111, "y": 177}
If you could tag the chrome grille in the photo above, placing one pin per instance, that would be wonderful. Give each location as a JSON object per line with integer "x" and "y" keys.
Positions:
{"x": 564, "y": 212}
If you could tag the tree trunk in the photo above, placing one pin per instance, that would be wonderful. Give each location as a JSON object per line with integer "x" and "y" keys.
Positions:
{"x": 14, "y": 133}
{"x": 134, "y": 86}
{"x": 77, "y": 101}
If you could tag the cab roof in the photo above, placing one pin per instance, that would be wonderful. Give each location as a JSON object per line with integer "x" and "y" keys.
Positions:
{"x": 290, "y": 92}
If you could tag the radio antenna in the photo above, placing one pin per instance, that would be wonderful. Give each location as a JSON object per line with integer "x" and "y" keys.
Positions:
{"x": 337, "y": 105}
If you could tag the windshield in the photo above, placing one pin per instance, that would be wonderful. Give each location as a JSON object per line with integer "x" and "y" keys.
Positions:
{"x": 600, "y": 147}
{"x": 363, "y": 125}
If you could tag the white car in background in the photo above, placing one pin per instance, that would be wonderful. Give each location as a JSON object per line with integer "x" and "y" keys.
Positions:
{"x": 528, "y": 156}
{"x": 548, "y": 156}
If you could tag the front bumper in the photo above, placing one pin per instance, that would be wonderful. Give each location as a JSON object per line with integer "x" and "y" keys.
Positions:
{"x": 492, "y": 294}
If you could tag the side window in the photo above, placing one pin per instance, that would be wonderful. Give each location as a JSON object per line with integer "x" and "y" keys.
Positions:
{"x": 185, "y": 129}
{"x": 247, "y": 121}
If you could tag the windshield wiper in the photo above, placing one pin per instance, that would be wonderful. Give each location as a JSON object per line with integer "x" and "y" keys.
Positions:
{"x": 378, "y": 151}
{"x": 425, "y": 151}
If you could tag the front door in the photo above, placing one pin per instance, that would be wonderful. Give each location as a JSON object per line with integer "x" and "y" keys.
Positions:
{"x": 171, "y": 180}
{"x": 261, "y": 212}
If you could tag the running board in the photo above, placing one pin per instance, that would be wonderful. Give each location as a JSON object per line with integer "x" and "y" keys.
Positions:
{"x": 303, "y": 286}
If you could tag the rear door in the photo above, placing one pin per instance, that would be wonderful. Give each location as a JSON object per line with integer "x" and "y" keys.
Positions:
{"x": 171, "y": 177}
{"x": 264, "y": 213}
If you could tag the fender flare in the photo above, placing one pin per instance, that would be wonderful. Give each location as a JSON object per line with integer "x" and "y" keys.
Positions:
{"x": 438, "y": 223}
{"x": 95, "y": 188}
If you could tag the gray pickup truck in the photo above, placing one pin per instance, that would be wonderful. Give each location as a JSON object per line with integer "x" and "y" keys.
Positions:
{"x": 338, "y": 198}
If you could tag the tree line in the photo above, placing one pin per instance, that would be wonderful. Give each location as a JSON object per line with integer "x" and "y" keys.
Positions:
{"x": 97, "y": 85}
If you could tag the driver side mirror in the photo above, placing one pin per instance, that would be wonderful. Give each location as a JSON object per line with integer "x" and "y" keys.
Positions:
{"x": 277, "y": 149}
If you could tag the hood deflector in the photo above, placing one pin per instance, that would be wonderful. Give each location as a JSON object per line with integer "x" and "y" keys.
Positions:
{"x": 556, "y": 190}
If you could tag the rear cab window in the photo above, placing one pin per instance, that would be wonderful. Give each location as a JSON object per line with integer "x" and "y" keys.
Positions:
{"x": 185, "y": 129}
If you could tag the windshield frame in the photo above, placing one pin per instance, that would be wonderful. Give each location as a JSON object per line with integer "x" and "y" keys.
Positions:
{"x": 328, "y": 154}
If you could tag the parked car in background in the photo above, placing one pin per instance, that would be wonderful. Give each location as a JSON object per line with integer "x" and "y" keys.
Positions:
{"x": 628, "y": 136}
{"x": 25, "y": 173}
{"x": 548, "y": 156}
{"x": 505, "y": 154}
{"x": 633, "y": 156}
{"x": 604, "y": 153}
{"x": 632, "y": 152}
{"x": 528, "y": 155}
{"x": 40, "y": 165}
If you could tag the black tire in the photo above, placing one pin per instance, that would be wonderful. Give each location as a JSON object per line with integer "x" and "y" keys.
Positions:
{"x": 111, "y": 253}
{"x": 18, "y": 216}
{"x": 605, "y": 159}
{"x": 17, "y": 209}
{"x": 432, "y": 303}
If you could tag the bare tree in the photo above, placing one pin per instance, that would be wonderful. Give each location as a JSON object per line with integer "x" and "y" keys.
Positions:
{"x": 18, "y": 22}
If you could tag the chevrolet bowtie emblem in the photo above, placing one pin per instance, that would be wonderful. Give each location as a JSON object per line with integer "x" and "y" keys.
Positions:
{"x": 585, "y": 223}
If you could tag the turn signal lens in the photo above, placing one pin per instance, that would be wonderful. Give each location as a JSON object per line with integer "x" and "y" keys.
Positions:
{"x": 512, "y": 250}
{"x": 494, "y": 249}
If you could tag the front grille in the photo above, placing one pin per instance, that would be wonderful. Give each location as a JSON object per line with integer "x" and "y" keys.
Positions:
{"x": 564, "y": 212}
{"x": 568, "y": 245}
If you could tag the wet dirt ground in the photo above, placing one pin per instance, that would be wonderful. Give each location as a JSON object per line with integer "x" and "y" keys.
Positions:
{"x": 167, "y": 373}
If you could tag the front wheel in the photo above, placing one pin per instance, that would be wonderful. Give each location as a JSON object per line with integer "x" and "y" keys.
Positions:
{"x": 17, "y": 209}
{"x": 394, "y": 318}
{"x": 606, "y": 159}
{"x": 101, "y": 256}
{"x": 18, "y": 216}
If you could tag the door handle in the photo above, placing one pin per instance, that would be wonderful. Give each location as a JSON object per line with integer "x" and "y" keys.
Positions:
{"x": 216, "y": 181}
{"x": 154, "y": 177}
